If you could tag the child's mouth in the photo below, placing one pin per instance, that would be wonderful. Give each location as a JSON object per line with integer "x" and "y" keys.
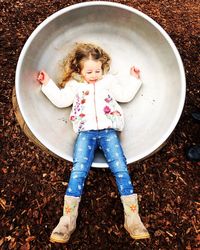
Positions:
{"x": 93, "y": 81}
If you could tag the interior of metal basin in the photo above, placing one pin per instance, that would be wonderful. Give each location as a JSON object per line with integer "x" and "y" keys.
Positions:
{"x": 131, "y": 38}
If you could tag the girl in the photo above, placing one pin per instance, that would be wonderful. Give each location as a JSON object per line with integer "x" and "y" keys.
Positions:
{"x": 96, "y": 116}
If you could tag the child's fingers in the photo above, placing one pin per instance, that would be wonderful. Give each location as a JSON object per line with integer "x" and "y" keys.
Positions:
{"x": 135, "y": 69}
{"x": 135, "y": 72}
{"x": 41, "y": 76}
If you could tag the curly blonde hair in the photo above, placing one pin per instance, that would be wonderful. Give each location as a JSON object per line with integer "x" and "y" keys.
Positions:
{"x": 73, "y": 63}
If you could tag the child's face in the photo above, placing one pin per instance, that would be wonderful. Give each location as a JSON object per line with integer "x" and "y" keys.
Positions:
{"x": 92, "y": 71}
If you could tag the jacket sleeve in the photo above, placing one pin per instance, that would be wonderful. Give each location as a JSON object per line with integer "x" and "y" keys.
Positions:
{"x": 126, "y": 89}
{"x": 61, "y": 98}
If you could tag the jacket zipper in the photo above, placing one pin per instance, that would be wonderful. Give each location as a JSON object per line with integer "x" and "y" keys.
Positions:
{"x": 95, "y": 109}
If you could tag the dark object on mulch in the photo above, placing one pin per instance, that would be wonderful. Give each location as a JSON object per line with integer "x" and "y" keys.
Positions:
{"x": 196, "y": 116}
{"x": 33, "y": 182}
{"x": 193, "y": 153}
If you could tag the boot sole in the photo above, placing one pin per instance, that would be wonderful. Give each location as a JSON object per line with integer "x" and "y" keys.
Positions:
{"x": 140, "y": 237}
{"x": 56, "y": 240}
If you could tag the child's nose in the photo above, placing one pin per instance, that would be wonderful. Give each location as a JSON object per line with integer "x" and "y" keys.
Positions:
{"x": 94, "y": 74}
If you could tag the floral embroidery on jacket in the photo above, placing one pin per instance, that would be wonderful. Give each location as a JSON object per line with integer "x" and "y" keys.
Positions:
{"x": 106, "y": 110}
{"x": 78, "y": 114}
{"x": 110, "y": 109}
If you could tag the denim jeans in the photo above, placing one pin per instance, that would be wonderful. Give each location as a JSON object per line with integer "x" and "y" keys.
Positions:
{"x": 86, "y": 144}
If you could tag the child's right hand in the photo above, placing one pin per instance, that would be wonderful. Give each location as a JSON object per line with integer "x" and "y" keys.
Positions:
{"x": 43, "y": 77}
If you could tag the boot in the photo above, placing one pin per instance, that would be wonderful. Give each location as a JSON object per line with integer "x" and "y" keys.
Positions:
{"x": 132, "y": 221}
{"x": 67, "y": 223}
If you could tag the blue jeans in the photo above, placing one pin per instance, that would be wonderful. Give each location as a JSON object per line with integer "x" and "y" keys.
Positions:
{"x": 86, "y": 144}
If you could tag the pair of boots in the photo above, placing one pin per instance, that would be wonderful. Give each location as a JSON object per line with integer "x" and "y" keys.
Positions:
{"x": 67, "y": 223}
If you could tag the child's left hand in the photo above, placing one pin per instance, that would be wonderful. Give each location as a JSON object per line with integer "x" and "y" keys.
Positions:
{"x": 135, "y": 72}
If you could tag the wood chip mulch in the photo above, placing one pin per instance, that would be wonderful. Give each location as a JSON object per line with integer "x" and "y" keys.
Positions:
{"x": 33, "y": 182}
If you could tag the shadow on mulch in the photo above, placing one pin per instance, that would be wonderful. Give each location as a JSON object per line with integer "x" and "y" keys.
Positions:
{"x": 33, "y": 182}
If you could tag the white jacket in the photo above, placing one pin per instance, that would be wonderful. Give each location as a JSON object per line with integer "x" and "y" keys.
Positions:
{"x": 95, "y": 106}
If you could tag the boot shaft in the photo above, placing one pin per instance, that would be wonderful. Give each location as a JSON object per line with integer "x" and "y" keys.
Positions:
{"x": 130, "y": 203}
{"x": 71, "y": 205}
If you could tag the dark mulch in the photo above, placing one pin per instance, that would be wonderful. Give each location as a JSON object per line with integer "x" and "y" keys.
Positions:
{"x": 33, "y": 183}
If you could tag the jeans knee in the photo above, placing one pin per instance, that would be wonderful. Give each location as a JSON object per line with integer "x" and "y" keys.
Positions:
{"x": 81, "y": 165}
{"x": 75, "y": 174}
{"x": 122, "y": 175}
